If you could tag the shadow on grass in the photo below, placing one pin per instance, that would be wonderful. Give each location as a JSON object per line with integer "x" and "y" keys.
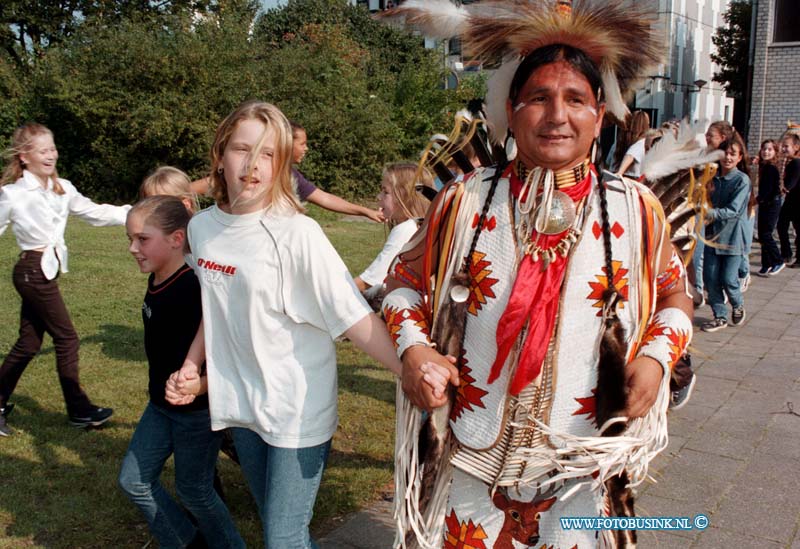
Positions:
{"x": 64, "y": 492}
{"x": 353, "y": 379}
{"x": 116, "y": 341}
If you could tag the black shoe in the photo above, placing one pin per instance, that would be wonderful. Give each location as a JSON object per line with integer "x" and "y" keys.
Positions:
{"x": 6, "y": 410}
{"x": 714, "y": 325}
{"x": 679, "y": 398}
{"x": 95, "y": 417}
{"x": 5, "y": 430}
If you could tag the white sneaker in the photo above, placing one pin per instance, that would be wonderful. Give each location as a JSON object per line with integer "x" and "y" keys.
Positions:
{"x": 744, "y": 283}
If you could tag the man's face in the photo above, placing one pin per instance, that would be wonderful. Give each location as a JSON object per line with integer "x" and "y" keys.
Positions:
{"x": 556, "y": 117}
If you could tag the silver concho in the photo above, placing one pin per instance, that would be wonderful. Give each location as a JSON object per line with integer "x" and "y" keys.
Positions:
{"x": 562, "y": 214}
{"x": 459, "y": 294}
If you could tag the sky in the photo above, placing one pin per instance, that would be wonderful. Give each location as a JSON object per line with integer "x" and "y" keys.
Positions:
{"x": 271, "y": 3}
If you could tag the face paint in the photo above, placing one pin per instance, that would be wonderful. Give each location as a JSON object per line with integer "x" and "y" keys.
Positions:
{"x": 591, "y": 110}
{"x": 519, "y": 106}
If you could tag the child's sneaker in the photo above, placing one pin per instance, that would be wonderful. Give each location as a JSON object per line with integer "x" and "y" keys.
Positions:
{"x": 95, "y": 417}
{"x": 764, "y": 271}
{"x": 5, "y": 430}
{"x": 679, "y": 398}
{"x": 738, "y": 315}
{"x": 744, "y": 283}
{"x": 714, "y": 325}
{"x": 776, "y": 269}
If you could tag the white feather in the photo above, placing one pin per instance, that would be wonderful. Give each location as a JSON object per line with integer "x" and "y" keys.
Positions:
{"x": 436, "y": 18}
{"x": 673, "y": 154}
{"x": 615, "y": 104}
{"x": 496, "y": 96}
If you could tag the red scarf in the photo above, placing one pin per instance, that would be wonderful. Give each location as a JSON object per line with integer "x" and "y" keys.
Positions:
{"x": 534, "y": 299}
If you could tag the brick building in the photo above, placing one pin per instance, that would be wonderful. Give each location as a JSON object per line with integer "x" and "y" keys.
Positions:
{"x": 775, "y": 96}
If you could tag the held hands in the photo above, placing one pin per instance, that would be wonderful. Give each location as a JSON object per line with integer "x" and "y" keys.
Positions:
{"x": 184, "y": 385}
{"x": 642, "y": 380}
{"x": 426, "y": 374}
{"x": 374, "y": 215}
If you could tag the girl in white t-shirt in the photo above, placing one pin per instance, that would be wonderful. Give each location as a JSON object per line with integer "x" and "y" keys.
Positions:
{"x": 36, "y": 203}
{"x": 402, "y": 203}
{"x": 275, "y": 295}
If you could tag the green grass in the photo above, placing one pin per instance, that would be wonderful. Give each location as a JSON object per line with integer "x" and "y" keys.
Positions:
{"x": 58, "y": 485}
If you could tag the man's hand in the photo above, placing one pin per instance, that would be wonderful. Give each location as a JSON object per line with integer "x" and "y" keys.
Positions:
{"x": 642, "y": 380}
{"x": 426, "y": 374}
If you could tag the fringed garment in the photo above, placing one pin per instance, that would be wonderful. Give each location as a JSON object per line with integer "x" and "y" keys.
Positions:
{"x": 519, "y": 463}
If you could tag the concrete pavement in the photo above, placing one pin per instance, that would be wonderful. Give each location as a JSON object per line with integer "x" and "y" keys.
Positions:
{"x": 734, "y": 451}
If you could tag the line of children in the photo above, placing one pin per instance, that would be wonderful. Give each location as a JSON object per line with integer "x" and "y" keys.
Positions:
{"x": 36, "y": 203}
{"x": 172, "y": 313}
{"x": 275, "y": 294}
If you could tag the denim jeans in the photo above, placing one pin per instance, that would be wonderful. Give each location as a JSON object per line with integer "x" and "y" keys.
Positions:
{"x": 189, "y": 437}
{"x": 721, "y": 274}
{"x": 697, "y": 258}
{"x": 284, "y": 482}
{"x": 744, "y": 264}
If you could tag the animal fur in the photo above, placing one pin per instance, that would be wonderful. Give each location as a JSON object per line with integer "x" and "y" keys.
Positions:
{"x": 611, "y": 399}
{"x": 435, "y": 434}
{"x": 621, "y": 498}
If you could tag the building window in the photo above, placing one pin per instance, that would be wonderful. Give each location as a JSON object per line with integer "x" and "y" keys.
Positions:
{"x": 787, "y": 14}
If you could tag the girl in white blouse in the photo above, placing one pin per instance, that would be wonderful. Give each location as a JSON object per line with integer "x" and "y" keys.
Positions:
{"x": 36, "y": 203}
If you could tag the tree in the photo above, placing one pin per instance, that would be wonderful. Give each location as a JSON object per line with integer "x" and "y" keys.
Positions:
{"x": 732, "y": 43}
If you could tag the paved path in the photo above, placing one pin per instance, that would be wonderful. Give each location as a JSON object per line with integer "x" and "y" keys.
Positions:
{"x": 734, "y": 451}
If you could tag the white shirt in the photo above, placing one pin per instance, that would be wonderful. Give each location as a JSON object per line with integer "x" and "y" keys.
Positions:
{"x": 38, "y": 217}
{"x": 376, "y": 273}
{"x": 636, "y": 151}
{"x": 275, "y": 295}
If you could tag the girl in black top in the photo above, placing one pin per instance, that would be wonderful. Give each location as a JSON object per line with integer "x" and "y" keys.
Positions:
{"x": 769, "y": 206}
{"x": 171, "y": 313}
{"x": 790, "y": 212}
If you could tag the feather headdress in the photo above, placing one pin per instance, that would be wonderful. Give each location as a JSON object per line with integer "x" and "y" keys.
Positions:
{"x": 618, "y": 35}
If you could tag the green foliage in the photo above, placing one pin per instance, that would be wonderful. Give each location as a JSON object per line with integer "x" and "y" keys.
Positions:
{"x": 733, "y": 42}
{"x": 125, "y": 93}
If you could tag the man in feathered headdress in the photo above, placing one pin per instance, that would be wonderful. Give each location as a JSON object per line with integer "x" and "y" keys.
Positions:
{"x": 555, "y": 292}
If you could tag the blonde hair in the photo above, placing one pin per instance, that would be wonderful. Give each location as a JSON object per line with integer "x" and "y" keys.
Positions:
{"x": 281, "y": 193}
{"x": 165, "y": 212}
{"x": 22, "y": 143}
{"x": 402, "y": 180}
{"x": 170, "y": 181}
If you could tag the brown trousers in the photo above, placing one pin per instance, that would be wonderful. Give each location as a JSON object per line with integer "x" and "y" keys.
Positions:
{"x": 43, "y": 310}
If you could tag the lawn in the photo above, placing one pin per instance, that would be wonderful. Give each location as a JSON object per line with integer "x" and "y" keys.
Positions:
{"x": 58, "y": 484}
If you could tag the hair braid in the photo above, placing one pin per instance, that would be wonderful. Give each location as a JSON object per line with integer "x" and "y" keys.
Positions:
{"x": 606, "y": 228}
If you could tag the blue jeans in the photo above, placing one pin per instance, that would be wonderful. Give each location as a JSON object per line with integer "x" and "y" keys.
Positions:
{"x": 284, "y": 482}
{"x": 697, "y": 257}
{"x": 721, "y": 274}
{"x": 744, "y": 265}
{"x": 189, "y": 437}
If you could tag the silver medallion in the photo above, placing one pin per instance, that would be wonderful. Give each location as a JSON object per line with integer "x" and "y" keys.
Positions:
{"x": 562, "y": 214}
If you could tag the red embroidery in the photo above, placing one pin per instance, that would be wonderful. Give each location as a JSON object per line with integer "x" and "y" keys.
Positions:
{"x": 656, "y": 329}
{"x": 620, "y": 282}
{"x": 588, "y": 406}
{"x": 418, "y": 316}
{"x": 463, "y": 535}
{"x": 405, "y": 274}
{"x": 480, "y": 283}
{"x": 616, "y": 230}
{"x": 393, "y": 319}
{"x": 678, "y": 341}
{"x": 488, "y": 224}
{"x": 467, "y": 395}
